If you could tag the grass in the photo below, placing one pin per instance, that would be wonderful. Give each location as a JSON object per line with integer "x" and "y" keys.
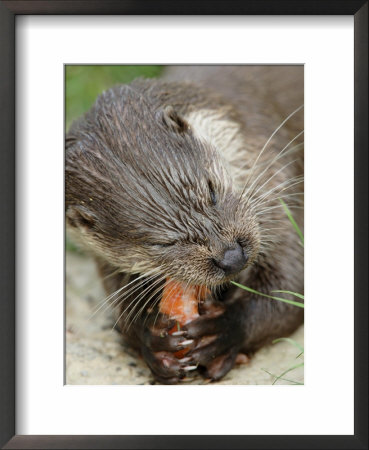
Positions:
{"x": 291, "y": 368}
{"x": 71, "y": 247}
{"x": 292, "y": 220}
{"x": 284, "y": 300}
{"x": 291, "y": 293}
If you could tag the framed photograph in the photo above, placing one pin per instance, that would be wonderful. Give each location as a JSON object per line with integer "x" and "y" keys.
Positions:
{"x": 175, "y": 144}
{"x": 181, "y": 291}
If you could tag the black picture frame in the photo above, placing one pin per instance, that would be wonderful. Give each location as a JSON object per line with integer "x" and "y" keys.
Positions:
{"x": 8, "y": 11}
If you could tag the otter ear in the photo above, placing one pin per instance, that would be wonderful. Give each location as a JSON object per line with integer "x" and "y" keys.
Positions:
{"x": 173, "y": 120}
{"x": 80, "y": 217}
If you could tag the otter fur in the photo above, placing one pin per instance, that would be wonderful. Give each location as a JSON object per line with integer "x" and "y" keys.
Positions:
{"x": 182, "y": 178}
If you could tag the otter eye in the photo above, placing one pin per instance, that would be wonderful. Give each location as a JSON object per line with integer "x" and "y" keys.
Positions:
{"x": 213, "y": 196}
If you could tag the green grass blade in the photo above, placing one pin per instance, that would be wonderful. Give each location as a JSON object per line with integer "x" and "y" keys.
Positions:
{"x": 284, "y": 379}
{"x": 291, "y": 341}
{"x": 296, "y": 366}
{"x": 292, "y": 220}
{"x": 292, "y": 293}
{"x": 284, "y": 300}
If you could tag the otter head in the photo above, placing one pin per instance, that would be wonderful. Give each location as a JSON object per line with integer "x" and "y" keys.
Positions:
{"x": 145, "y": 194}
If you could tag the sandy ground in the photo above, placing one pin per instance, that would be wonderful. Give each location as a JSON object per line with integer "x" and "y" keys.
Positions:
{"x": 96, "y": 354}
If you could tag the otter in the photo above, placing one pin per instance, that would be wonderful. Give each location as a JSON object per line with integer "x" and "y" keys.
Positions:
{"x": 181, "y": 178}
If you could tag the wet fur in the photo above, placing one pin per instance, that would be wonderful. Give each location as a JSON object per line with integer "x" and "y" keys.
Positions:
{"x": 141, "y": 166}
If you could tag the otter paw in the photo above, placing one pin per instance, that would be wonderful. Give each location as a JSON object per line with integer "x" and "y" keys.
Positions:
{"x": 220, "y": 366}
{"x": 164, "y": 366}
{"x": 159, "y": 348}
{"x": 218, "y": 335}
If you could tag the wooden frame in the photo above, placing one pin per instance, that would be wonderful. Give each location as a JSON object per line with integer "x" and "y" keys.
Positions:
{"x": 8, "y": 11}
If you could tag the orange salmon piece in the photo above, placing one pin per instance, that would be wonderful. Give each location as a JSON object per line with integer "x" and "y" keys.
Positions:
{"x": 181, "y": 302}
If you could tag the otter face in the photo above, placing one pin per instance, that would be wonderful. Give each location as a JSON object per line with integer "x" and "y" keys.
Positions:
{"x": 143, "y": 193}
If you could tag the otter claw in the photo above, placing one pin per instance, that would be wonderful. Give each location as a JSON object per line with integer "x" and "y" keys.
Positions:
{"x": 185, "y": 359}
{"x": 178, "y": 333}
{"x": 188, "y": 368}
{"x": 187, "y": 342}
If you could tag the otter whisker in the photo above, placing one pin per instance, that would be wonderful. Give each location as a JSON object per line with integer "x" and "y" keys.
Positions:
{"x": 156, "y": 301}
{"x": 119, "y": 302}
{"x": 285, "y": 153}
{"x": 145, "y": 292}
{"x": 134, "y": 289}
{"x": 126, "y": 285}
{"x": 143, "y": 279}
{"x": 269, "y": 139}
{"x": 280, "y": 187}
{"x": 106, "y": 300}
{"x": 267, "y": 142}
{"x": 136, "y": 301}
{"x": 264, "y": 199}
{"x": 273, "y": 161}
{"x": 273, "y": 199}
{"x": 283, "y": 196}
{"x": 169, "y": 293}
{"x": 111, "y": 296}
{"x": 249, "y": 197}
{"x": 112, "y": 274}
{"x": 139, "y": 312}
{"x": 268, "y": 213}
{"x": 270, "y": 229}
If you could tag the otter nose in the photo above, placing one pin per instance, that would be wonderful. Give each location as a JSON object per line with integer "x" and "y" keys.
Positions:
{"x": 234, "y": 258}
